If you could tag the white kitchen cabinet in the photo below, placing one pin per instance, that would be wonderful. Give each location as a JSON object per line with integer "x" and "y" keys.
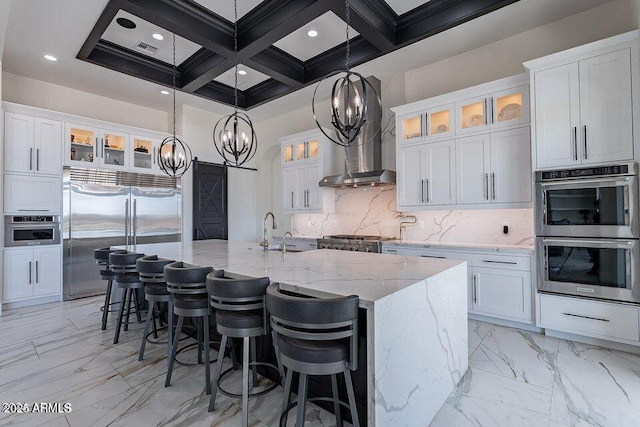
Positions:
{"x": 430, "y": 124}
{"x": 499, "y": 285}
{"x": 584, "y": 103}
{"x": 32, "y": 144}
{"x": 598, "y": 319}
{"x": 144, "y": 154}
{"x": 306, "y": 159}
{"x": 426, "y": 174}
{"x": 97, "y": 148}
{"x": 32, "y": 272}
{"x": 494, "y": 167}
{"x": 32, "y": 193}
{"x": 504, "y": 108}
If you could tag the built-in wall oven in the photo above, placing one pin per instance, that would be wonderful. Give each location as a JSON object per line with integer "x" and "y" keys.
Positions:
{"x": 31, "y": 230}
{"x": 587, "y": 232}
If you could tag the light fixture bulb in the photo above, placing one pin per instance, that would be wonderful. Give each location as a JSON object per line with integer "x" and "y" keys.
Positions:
{"x": 242, "y": 72}
{"x": 164, "y": 92}
{"x": 50, "y": 58}
{"x": 312, "y": 33}
{"x": 158, "y": 36}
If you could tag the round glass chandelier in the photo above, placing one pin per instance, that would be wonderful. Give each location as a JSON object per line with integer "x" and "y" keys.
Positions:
{"x": 233, "y": 136}
{"x": 350, "y": 95}
{"x": 174, "y": 156}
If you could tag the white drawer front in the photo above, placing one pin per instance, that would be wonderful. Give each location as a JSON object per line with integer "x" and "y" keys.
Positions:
{"x": 593, "y": 318}
{"x": 506, "y": 262}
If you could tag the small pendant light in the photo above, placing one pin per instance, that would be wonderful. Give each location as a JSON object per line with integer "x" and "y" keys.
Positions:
{"x": 233, "y": 136}
{"x": 175, "y": 155}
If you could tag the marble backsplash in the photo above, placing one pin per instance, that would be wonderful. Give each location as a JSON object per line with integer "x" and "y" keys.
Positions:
{"x": 372, "y": 211}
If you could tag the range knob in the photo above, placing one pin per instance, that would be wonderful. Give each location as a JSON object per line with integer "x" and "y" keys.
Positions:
{"x": 353, "y": 248}
{"x": 367, "y": 249}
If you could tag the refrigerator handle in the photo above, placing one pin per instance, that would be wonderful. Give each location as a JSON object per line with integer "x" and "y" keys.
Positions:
{"x": 134, "y": 226}
{"x": 126, "y": 222}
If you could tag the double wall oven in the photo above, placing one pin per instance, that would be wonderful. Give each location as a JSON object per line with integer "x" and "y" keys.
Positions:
{"x": 587, "y": 232}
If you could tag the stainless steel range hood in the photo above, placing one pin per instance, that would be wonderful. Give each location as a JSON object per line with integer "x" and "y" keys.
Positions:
{"x": 363, "y": 159}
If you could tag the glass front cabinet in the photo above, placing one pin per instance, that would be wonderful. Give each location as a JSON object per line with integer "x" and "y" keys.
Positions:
{"x": 505, "y": 108}
{"x": 300, "y": 151}
{"x": 144, "y": 152}
{"x": 90, "y": 147}
{"x": 428, "y": 125}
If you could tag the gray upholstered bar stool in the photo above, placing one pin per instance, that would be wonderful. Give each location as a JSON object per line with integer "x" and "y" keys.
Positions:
{"x": 315, "y": 337}
{"x": 240, "y": 313}
{"x": 151, "y": 272}
{"x": 101, "y": 255}
{"x": 123, "y": 263}
{"x": 187, "y": 284}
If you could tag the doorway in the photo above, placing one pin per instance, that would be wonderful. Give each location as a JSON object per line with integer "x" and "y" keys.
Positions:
{"x": 210, "y": 209}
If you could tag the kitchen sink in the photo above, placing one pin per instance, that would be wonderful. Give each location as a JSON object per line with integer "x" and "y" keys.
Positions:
{"x": 273, "y": 248}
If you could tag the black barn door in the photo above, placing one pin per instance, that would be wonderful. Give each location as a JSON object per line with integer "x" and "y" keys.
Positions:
{"x": 209, "y": 201}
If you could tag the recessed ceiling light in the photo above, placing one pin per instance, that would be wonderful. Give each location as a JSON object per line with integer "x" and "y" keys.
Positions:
{"x": 126, "y": 23}
{"x": 50, "y": 58}
{"x": 158, "y": 36}
{"x": 242, "y": 72}
{"x": 312, "y": 33}
{"x": 164, "y": 92}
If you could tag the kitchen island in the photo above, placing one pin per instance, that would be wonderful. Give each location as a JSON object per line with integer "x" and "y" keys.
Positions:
{"x": 416, "y": 314}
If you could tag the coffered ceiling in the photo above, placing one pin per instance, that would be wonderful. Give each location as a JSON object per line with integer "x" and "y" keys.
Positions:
{"x": 274, "y": 48}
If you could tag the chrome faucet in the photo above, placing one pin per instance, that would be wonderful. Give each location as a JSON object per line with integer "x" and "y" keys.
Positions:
{"x": 403, "y": 224}
{"x": 283, "y": 245}
{"x": 265, "y": 241}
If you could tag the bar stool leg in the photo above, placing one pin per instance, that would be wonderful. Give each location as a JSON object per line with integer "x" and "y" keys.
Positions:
{"x": 167, "y": 382}
{"x": 136, "y": 304}
{"x": 254, "y": 369}
{"x": 199, "y": 337}
{"x": 154, "y": 317}
{"x": 302, "y": 400}
{"x": 352, "y": 399}
{"x": 245, "y": 381}
{"x": 170, "y": 331}
{"x": 286, "y": 401}
{"x": 107, "y": 300}
{"x": 146, "y": 331}
{"x": 207, "y": 371}
{"x": 336, "y": 400}
{"x": 126, "y": 324}
{"x": 216, "y": 377}
{"x": 120, "y": 313}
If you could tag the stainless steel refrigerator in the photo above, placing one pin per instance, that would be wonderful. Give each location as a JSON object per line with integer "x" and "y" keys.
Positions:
{"x": 108, "y": 208}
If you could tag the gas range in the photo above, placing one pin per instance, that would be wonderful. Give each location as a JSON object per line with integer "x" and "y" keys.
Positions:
{"x": 346, "y": 242}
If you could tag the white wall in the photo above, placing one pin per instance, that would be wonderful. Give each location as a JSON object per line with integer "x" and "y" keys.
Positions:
{"x": 37, "y": 93}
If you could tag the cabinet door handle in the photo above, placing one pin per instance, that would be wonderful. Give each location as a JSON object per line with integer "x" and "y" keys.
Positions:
{"x": 601, "y": 319}
{"x": 584, "y": 137}
{"x": 493, "y": 185}
{"x": 474, "y": 289}
{"x": 304, "y": 198}
{"x": 427, "y": 191}
{"x": 426, "y": 125}
{"x": 486, "y": 186}
{"x": 126, "y": 222}
{"x": 492, "y": 118}
{"x": 37, "y": 159}
{"x": 30, "y": 158}
{"x": 37, "y": 280}
{"x": 422, "y": 190}
{"x": 433, "y": 256}
{"x": 97, "y": 153}
{"x": 575, "y": 143}
{"x": 153, "y": 158}
{"x": 292, "y": 199}
{"x": 500, "y": 262}
{"x": 29, "y": 272}
{"x": 486, "y": 116}
{"x": 102, "y": 145}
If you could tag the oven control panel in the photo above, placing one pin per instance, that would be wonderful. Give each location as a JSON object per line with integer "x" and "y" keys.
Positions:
{"x": 597, "y": 171}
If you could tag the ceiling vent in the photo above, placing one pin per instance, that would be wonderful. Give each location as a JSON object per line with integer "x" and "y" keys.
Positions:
{"x": 147, "y": 48}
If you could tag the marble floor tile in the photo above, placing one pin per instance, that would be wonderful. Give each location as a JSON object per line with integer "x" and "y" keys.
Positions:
{"x": 502, "y": 390}
{"x": 596, "y": 387}
{"x": 477, "y": 331}
{"x": 526, "y": 356}
{"x": 12, "y": 355}
{"x": 472, "y": 412}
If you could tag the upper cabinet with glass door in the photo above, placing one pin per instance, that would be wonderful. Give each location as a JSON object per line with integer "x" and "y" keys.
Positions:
{"x": 504, "y": 108}
{"x": 91, "y": 147}
{"x": 308, "y": 148}
{"x": 144, "y": 152}
{"x": 429, "y": 124}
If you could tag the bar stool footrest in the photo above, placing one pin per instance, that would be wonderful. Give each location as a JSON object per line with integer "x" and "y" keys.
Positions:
{"x": 255, "y": 393}
{"x": 192, "y": 345}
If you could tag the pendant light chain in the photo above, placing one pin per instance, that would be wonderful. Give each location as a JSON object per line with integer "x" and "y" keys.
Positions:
{"x": 346, "y": 5}
{"x": 235, "y": 54}
{"x": 174, "y": 84}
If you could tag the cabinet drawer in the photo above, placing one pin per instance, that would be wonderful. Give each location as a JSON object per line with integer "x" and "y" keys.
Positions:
{"x": 506, "y": 262}
{"x": 592, "y": 318}
{"x": 30, "y": 193}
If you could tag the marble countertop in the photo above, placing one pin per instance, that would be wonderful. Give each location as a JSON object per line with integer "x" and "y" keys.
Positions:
{"x": 320, "y": 273}
{"x": 484, "y": 247}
